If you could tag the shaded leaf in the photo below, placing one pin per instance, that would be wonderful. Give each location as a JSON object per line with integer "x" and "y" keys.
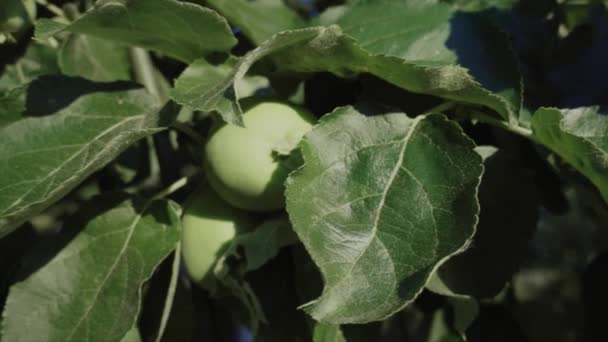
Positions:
{"x": 71, "y": 128}
{"x": 181, "y": 30}
{"x": 95, "y": 59}
{"x": 92, "y": 287}
{"x": 12, "y": 104}
{"x": 258, "y": 247}
{"x": 252, "y": 17}
{"x": 507, "y": 221}
{"x": 209, "y": 86}
{"x": 206, "y": 87}
{"x": 264, "y": 242}
{"x": 580, "y": 137}
{"x": 464, "y": 312}
{"x": 379, "y": 203}
{"x": 327, "y": 333}
{"x": 39, "y": 59}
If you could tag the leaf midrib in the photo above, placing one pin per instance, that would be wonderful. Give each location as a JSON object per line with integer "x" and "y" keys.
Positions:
{"x": 385, "y": 191}
{"x": 119, "y": 257}
{"x": 60, "y": 166}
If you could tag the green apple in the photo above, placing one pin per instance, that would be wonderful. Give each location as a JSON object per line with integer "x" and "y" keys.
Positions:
{"x": 248, "y": 165}
{"x": 208, "y": 226}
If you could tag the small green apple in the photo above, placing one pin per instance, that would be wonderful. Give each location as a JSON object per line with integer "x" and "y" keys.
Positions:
{"x": 247, "y": 165}
{"x": 208, "y": 226}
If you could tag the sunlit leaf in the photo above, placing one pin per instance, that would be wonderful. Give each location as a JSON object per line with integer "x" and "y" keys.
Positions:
{"x": 92, "y": 288}
{"x": 184, "y": 31}
{"x": 69, "y": 129}
{"x": 378, "y": 204}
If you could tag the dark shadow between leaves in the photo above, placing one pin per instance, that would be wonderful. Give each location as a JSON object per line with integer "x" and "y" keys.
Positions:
{"x": 157, "y": 209}
{"x": 580, "y": 74}
{"x": 217, "y": 58}
{"x": 409, "y": 287}
{"x": 595, "y": 299}
{"x": 49, "y": 94}
{"x": 506, "y": 225}
{"x": 485, "y": 51}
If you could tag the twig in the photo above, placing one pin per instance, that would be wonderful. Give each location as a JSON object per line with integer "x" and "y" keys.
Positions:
{"x": 144, "y": 70}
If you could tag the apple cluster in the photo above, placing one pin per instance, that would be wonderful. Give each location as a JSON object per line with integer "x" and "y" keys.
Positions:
{"x": 246, "y": 168}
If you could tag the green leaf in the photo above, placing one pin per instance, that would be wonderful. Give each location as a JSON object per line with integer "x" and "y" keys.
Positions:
{"x": 431, "y": 33}
{"x": 93, "y": 287}
{"x": 580, "y": 137}
{"x": 12, "y": 104}
{"x": 507, "y": 222}
{"x": 39, "y": 59}
{"x": 94, "y": 59}
{"x": 70, "y": 129}
{"x": 210, "y": 84}
{"x": 264, "y": 242}
{"x": 415, "y": 31}
{"x": 207, "y": 85}
{"x": 379, "y": 203}
{"x": 257, "y": 247}
{"x": 480, "y": 5}
{"x": 252, "y": 17}
{"x": 132, "y": 336}
{"x": 181, "y": 30}
{"x": 327, "y": 333}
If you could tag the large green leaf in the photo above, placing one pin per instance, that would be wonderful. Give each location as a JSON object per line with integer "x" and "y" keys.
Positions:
{"x": 91, "y": 289}
{"x": 259, "y": 19}
{"x": 432, "y": 33}
{"x": 181, "y": 30}
{"x": 210, "y": 85}
{"x": 379, "y": 203}
{"x": 507, "y": 222}
{"x": 415, "y": 31}
{"x": 580, "y": 137}
{"x": 69, "y": 129}
{"x": 94, "y": 59}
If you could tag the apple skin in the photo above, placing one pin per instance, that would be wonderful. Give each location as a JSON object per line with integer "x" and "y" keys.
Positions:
{"x": 208, "y": 226}
{"x": 245, "y": 165}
